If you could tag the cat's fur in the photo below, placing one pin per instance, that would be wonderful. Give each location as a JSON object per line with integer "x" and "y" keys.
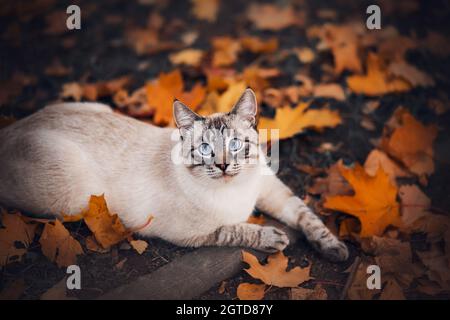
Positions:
{"x": 52, "y": 161}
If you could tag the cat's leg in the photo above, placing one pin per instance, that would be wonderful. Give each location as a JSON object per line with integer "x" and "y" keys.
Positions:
{"x": 268, "y": 239}
{"x": 277, "y": 200}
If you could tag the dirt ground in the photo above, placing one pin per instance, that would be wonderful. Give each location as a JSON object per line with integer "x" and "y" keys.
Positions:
{"x": 99, "y": 53}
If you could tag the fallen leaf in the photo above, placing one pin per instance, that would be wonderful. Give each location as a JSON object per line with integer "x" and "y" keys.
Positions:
{"x": 225, "y": 51}
{"x": 392, "y": 291}
{"x": 274, "y": 272}
{"x": 106, "y": 227}
{"x": 290, "y": 121}
{"x": 414, "y": 205}
{"x": 412, "y": 144}
{"x": 411, "y": 74}
{"x": 377, "y": 159}
{"x": 15, "y": 231}
{"x": 256, "y": 45}
{"x": 205, "y": 9}
{"x": 318, "y": 293}
{"x": 92, "y": 245}
{"x": 377, "y": 81}
{"x": 331, "y": 185}
{"x": 58, "y": 245}
{"x": 358, "y": 289}
{"x": 305, "y": 55}
{"x": 169, "y": 86}
{"x": 139, "y": 245}
{"x": 190, "y": 57}
{"x": 329, "y": 90}
{"x": 271, "y": 17}
{"x": 222, "y": 103}
{"x": 93, "y": 91}
{"x": 250, "y": 291}
{"x": 374, "y": 202}
{"x": 13, "y": 290}
{"x": 222, "y": 287}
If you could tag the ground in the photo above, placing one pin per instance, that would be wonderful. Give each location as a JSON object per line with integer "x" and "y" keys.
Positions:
{"x": 99, "y": 53}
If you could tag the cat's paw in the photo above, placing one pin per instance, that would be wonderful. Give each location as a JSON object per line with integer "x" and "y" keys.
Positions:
{"x": 335, "y": 251}
{"x": 272, "y": 240}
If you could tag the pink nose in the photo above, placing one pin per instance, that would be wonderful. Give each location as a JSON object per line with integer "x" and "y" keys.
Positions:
{"x": 222, "y": 166}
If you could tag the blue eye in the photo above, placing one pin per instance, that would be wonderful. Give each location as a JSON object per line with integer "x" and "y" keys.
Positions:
{"x": 235, "y": 144}
{"x": 205, "y": 149}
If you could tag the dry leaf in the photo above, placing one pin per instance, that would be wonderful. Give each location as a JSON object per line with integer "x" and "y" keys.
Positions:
{"x": 377, "y": 158}
{"x": 190, "y": 57}
{"x": 305, "y": 55}
{"x": 392, "y": 291}
{"x": 225, "y": 51}
{"x": 377, "y": 81}
{"x": 318, "y": 293}
{"x": 374, "y": 202}
{"x": 92, "y": 245}
{"x": 329, "y": 90}
{"x": 411, "y": 74}
{"x": 256, "y": 45}
{"x": 139, "y": 245}
{"x": 250, "y": 291}
{"x": 274, "y": 272}
{"x": 412, "y": 143}
{"x": 271, "y": 17}
{"x": 106, "y": 227}
{"x": 58, "y": 245}
{"x": 333, "y": 184}
{"x": 290, "y": 121}
{"x": 14, "y": 231}
{"x": 205, "y": 9}
{"x": 13, "y": 290}
{"x": 223, "y": 103}
{"x": 414, "y": 205}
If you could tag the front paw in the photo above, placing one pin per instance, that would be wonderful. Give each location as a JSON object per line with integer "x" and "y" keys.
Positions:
{"x": 272, "y": 240}
{"x": 335, "y": 251}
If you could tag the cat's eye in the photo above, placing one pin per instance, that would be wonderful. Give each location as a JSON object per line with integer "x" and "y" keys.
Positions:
{"x": 205, "y": 149}
{"x": 235, "y": 145}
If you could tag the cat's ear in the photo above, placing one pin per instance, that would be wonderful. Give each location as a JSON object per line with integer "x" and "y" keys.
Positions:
{"x": 246, "y": 106}
{"x": 183, "y": 116}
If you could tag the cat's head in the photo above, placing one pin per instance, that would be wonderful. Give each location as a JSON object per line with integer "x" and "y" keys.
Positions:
{"x": 221, "y": 146}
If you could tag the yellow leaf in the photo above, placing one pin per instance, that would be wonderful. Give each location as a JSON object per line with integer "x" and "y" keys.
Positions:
{"x": 274, "y": 272}
{"x": 374, "y": 202}
{"x": 291, "y": 121}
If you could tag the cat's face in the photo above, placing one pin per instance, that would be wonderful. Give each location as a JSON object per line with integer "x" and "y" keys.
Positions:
{"x": 221, "y": 147}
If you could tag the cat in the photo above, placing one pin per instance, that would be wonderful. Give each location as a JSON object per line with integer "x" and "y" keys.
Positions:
{"x": 200, "y": 181}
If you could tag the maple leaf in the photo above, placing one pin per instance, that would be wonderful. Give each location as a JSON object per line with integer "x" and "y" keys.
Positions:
{"x": 165, "y": 89}
{"x": 411, "y": 74}
{"x": 58, "y": 245}
{"x": 414, "y": 205}
{"x": 274, "y": 272}
{"x": 331, "y": 185}
{"x": 222, "y": 103}
{"x": 412, "y": 143}
{"x": 378, "y": 158}
{"x": 14, "y": 230}
{"x": 374, "y": 202}
{"x": 106, "y": 227}
{"x": 190, "y": 57}
{"x": 377, "y": 81}
{"x": 329, "y": 90}
{"x": 290, "y": 121}
{"x": 205, "y": 9}
{"x": 272, "y": 17}
{"x": 250, "y": 291}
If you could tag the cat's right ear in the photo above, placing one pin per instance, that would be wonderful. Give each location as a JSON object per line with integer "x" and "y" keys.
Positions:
{"x": 183, "y": 116}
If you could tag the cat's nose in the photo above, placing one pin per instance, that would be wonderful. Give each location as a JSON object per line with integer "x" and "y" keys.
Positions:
{"x": 222, "y": 166}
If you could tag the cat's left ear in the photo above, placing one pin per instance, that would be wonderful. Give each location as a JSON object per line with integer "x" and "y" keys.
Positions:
{"x": 246, "y": 106}
{"x": 183, "y": 116}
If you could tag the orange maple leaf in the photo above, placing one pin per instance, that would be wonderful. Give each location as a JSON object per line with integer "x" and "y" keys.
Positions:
{"x": 377, "y": 81}
{"x": 374, "y": 202}
{"x": 274, "y": 272}
{"x": 165, "y": 89}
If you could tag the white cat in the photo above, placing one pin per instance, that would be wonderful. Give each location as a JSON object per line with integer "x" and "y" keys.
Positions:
{"x": 52, "y": 161}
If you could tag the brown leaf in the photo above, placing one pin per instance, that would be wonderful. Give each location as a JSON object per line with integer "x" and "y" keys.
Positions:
{"x": 411, "y": 74}
{"x": 205, "y": 9}
{"x": 329, "y": 90}
{"x": 318, "y": 293}
{"x": 58, "y": 245}
{"x": 272, "y": 17}
{"x": 14, "y": 230}
{"x": 250, "y": 291}
{"x": 13, "y": 290}
{"x": 377, "y": 158}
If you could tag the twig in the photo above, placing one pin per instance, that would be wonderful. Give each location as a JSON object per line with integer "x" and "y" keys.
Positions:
{"x": 350, "y": 278}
